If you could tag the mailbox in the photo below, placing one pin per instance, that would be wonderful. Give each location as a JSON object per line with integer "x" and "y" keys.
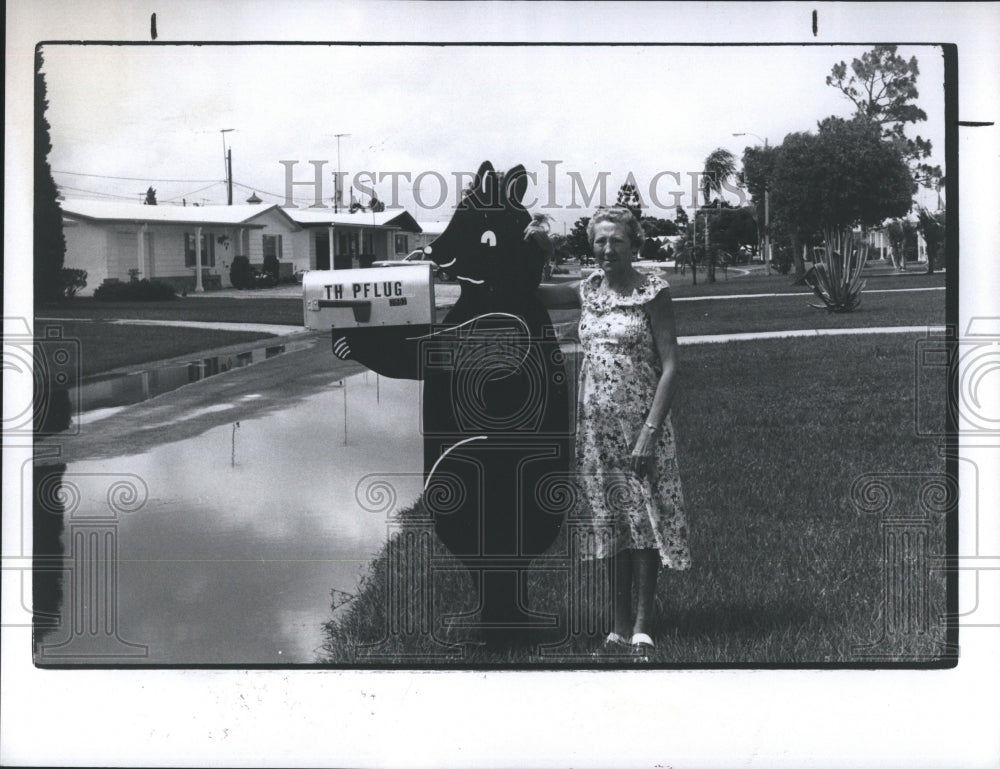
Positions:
{"x": 375, "y": 296}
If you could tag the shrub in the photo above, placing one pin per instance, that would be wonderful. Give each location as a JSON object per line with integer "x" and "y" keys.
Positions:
{"x": 135, "y": 291}
{"x": 72, "y": 281}
{"x": 836, "y": 278}
{"x": 933, "y": 228}
{"x": 271, "y": 266}
{"x": 240, "y": 274}
{"x": 781, "y": 258}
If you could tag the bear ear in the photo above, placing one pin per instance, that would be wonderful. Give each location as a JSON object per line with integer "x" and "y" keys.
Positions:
{"x": 515, "y": 184}
{"x": 485, "y": 170}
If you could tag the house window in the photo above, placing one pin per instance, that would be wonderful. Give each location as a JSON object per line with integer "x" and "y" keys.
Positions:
{"x": 348, "y": 245}
{"x": 368, "y": 242}
{"x": 272, "y": 246}
{"x": 402, "y": 244}
{"x": 207, "y": 249}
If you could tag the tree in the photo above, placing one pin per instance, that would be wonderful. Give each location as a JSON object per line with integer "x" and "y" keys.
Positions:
{"x": 688, "y": 252}
{"x": 560, "y": 248}
{"x": 841, "y": 176}
{"x": 578, "y": 241}
{"x": 150, "y": 197}
{"x": 732, "y": 228}
{"x": 902, "y": 235}
{"x": 882, "y": 85}
{"x": 628, "y": 197}
{"x": 653, "y": 227}
{"x": 50, "y": 243}
{"x": 758, "y": 175}
{"x": 681, "y": 218}
{"x": 719, "y": 166}
{"x": 375, "y": 205}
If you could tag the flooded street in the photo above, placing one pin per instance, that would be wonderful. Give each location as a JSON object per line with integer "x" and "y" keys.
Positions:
{"x": 201, "y": 511}
{"x": 223, "y": 548}
{"x": 123, "y": 389}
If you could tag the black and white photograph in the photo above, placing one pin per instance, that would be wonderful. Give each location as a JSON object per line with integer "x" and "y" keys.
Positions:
{"x": 607, "y": 362}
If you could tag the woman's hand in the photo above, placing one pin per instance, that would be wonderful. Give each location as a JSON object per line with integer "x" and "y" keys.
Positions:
{"x": 641, "y": 460}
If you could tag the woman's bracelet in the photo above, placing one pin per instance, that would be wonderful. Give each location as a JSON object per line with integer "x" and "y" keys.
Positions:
{"x": 652, "y": 427}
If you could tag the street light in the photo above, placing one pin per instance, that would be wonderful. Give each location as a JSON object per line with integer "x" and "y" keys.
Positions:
{"x": 767, "y": 211}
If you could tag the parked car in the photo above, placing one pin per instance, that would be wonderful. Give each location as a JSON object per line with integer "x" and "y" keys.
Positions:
{"x": 414, "y": 257}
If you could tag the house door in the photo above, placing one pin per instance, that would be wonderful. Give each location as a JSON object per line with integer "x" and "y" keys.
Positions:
{"x": 322, "y": 251}
{"x": 126, "y": 255}
{"x": 347, "y": 251}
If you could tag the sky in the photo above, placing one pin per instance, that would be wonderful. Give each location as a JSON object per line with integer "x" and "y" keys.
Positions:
{"x": 155, "y": 114}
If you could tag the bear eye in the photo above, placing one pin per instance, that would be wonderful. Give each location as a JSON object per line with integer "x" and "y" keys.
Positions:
{"x": 489, "y": 238}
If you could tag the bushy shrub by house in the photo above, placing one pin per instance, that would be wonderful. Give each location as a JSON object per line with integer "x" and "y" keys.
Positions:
{"x": 135, "y": 291}
{"x": 240, "y": 274}
{"x": 72, "y": 281}
{"x": 271, "y": 266}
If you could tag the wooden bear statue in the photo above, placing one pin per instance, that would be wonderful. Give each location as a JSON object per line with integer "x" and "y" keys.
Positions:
{"x": 496, "y": 417}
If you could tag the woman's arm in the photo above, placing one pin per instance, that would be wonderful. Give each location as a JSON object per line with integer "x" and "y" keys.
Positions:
{"x": 560, "y": 296}
{"x": 661, "y": 319}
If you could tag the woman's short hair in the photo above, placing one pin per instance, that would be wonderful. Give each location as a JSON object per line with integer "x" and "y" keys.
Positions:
{"x": 617, "y": 215}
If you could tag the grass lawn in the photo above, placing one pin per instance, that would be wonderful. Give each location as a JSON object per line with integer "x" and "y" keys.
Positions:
{"x": 110, "y": 346}
{"x": 789, "y": 566}
{"x": 107, "y": 346}
{"x": 758, "y": 283}
{"x": 793, "y": 311}
{"x": 282, "y": 312}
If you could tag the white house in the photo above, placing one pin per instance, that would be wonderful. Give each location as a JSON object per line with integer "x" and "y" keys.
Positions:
{"x": 429, "y": 231}
{"x": 114, "y": 241}
{"x": 329, "y": 240}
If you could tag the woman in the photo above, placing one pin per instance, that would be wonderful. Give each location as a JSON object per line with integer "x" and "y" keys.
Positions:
{"x": 625, "y": 449}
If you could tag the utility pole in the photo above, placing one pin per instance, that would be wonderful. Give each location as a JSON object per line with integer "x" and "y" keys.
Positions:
{"x": 767, "y": 211}
{"x": 227, "y": 159}
{"x": 229, "y": 176}
{"x": 337, "y": 199}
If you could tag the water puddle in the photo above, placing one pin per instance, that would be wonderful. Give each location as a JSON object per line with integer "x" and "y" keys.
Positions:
{"x": 118, "y": 390}
{"x": 224, "y": 548}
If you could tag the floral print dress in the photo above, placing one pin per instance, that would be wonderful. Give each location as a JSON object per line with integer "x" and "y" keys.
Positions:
{"x": 619, "y": 374}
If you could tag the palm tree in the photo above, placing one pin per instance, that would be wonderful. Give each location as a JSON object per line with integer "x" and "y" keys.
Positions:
{"x": 719, "y": 166}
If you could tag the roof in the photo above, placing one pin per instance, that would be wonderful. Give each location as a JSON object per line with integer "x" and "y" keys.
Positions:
{"x": 432, "y": 228}
{"x": 103, "y": 210}
{"x": 393, "y": 219}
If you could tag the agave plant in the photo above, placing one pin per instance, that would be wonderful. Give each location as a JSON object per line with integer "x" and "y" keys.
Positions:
{"x": 836, "y": 278}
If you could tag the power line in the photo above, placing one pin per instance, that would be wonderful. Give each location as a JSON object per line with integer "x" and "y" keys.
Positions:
{"x": 273, "y": 194}
{"x": 131, "y": 197}
{"x": 211, "y": 183}
{"x": 137, "y": 178}
{"x": 95, "y": 192}
{"x": 193, "y": 192}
